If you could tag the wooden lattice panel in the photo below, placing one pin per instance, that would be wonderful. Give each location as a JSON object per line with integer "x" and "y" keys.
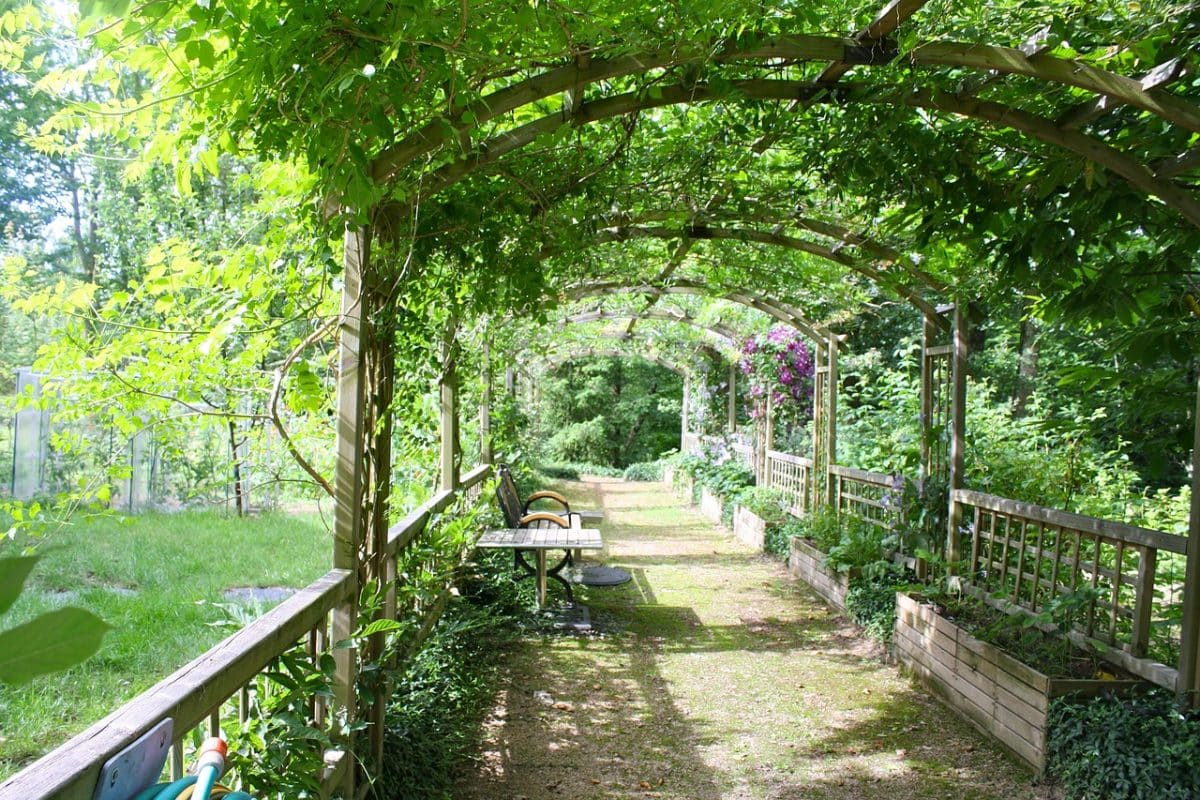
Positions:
{"x": 791, "y": 475}
{"x": 1030, "y": 557}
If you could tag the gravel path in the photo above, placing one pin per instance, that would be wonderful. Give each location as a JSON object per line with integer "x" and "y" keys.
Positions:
{"x": 714, "y": 675}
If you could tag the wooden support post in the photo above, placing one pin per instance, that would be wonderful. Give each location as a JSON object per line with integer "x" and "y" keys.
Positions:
{"x": 485, "y": 407}
{"x": 683, "y": 421}
{"x": 928, "y": 339}
{"x": 510, "y": 381}
{"x": 958, "y": 424}
{"x": 449, "y": 410}
{"x": 831, "y": 398}
{"x": 732, "y": 424}
{"x": 349, "y": 476}
{"x": 1189, "y": 656}
{"x": 768, "y": 438}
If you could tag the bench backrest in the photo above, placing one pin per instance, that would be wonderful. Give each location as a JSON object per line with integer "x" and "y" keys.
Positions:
{"x": 508, "y": 498}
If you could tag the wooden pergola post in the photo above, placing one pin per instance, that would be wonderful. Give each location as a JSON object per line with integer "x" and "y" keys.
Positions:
{"x": 449, "y": 410}
{"x": 349, "y": 480}
{"x": 821, "y": 481}
{"x": 683, "y": 416}
{"x": 831, "y": 398}
{"x": 958, "y": 424}
{"x": 732, "y": 424}
{"x": 485, "y": 407}
{"x": 1189, "y": 656}
{"x": 928, "y": 334}
{"x": 768, "y": 438}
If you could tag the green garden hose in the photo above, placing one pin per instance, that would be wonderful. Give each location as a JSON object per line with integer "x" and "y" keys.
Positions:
{"x": 210, "y": 765}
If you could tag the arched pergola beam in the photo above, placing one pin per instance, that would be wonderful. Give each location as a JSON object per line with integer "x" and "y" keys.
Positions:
{"x": 554, "y": 359}
{"x": 791, "y": 243}
{"x": 831, "y": 230}
{"x": 1094, "y": 150}
{"x": 588, "y": 69}
{"x": 715, "y": 328}
{"x": 769, "y": 306}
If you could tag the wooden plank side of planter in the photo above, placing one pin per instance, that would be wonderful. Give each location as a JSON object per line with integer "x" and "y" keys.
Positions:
{"x": 807, "y": 564}
{"x": 934, "y": 675}
{"x": 965, "y": 698}
{"x": 970, "y": 676}
{"x": 749, "y": 528}
{"x": 710, "y": 505}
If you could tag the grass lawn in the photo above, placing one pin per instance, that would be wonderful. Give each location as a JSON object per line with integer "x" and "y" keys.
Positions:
{"x": 159, "y": 580}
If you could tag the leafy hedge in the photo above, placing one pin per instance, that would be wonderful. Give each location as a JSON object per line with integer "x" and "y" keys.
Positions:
{"x": 1137, "y": 748}
{"x": 645, "y": 471}
{"x": 434, "y": 715}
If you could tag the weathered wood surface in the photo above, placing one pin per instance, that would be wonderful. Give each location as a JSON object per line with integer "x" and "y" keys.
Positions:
{"x": 749, "y": 528}
{"x": 1117, "y": 531}
{"x": 542, "y": 539}
{"x": 711, "y": 505}
{"x": 188, "y": 696}
{"x": 807, "y": 563}
{"x": 999, "y": 695}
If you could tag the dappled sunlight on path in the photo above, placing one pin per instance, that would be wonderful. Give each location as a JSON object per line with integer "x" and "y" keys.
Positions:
{"x": 712, "y": 674}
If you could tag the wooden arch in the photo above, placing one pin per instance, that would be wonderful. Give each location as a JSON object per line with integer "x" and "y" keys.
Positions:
{"x": 1094, "y": 150}
{"x": 716, "y": 328}
{"x": 766, "y": 304}
{"x": 625, "y": 233}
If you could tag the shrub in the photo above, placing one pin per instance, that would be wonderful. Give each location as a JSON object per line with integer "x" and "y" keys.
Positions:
{"x": 572, "y": 470}
{"x": 769, "y": 505}
{"x": 860, "y": 545}
{"x": 442, "y": 695}
{"x": 777, "y": 540}
{"x": 871, "y": 603}
{"x": 645, "y": 471}
{"x": 822, "y": 527}
{"x": 1136, "y": 748}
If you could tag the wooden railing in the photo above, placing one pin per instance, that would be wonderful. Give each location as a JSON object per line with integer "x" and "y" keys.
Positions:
{"x": 1029, "y": 557}
{"x": 869, "y": 496}
{"x": 690, "y": 443}
{"x": 219, "y": 682}
{"x": 744, "y": 453}
{"x": 791, "y": 475}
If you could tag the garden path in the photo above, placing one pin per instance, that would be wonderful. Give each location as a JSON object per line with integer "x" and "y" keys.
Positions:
{"x": 711, "y": 675}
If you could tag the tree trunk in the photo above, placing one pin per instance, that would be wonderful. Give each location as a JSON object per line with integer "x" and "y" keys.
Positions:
{"x": 1029, "y": 346}
{"x": 84, "y": 246}
{"x": 234, "y": 451}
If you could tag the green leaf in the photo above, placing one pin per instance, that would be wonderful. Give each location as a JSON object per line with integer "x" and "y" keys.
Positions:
{"x": 49, "y": 643}
{"x": 383, "y": 626}
{"x": 13, "y": 572}
{"x": 201, "y": 52}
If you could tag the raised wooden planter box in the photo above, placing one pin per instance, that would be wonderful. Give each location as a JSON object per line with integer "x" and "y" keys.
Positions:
{"x": 750, "y": 528}
{"x": 996, "y": 693}
{"x": 710, "y": 505}
{"x": 808, "y": 564}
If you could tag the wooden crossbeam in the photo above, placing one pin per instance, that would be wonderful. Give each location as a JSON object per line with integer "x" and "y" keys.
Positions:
{"x": 1035, "y": 45}
{"x": 1163, "y": 74}
{"x": 886, "y": 22}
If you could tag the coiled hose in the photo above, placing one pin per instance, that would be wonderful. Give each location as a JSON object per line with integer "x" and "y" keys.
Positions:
{"x": 210, "y": 765}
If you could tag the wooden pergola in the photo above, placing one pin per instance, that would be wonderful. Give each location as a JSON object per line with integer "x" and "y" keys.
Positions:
{"x": 511, "y": 115}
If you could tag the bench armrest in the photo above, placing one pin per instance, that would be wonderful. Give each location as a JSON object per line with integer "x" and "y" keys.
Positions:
{"x": 544, "y": 516}
{"x": 547, "y": 495}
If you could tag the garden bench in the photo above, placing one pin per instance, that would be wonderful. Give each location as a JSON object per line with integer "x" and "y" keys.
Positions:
{"x": 515, "y": 510}
{"x": 542, "y": 535}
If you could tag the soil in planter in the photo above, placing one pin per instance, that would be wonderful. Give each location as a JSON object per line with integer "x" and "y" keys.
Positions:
{"x": 1046, "y": 652}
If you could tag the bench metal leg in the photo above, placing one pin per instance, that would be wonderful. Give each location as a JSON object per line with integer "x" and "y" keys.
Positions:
{"x": 540, "y": 573}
